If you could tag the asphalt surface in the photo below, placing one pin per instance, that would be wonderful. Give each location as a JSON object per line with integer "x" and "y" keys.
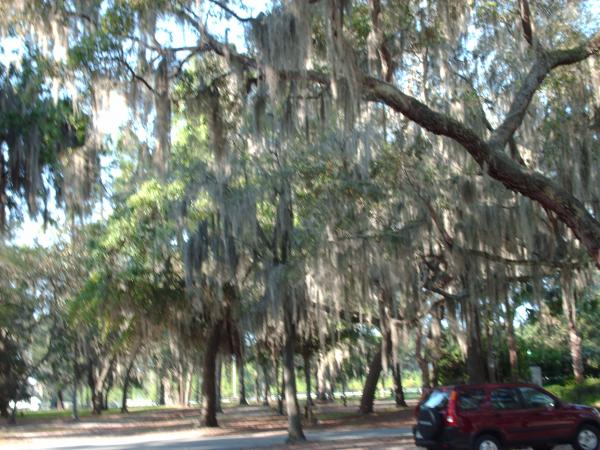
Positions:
{"x": 182, "y": 441}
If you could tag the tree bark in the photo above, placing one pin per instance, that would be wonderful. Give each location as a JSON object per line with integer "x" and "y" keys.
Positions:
{"x": 267, "y": 387}
{"x": 421, "y": 361}
{"x": 398, "y": 390}
{"x": 306, "y": 357}
{"x": 323, "y": 383}
{"x": 75, "y": 383}
{"x": 569, "y": 304}
{"x": 97, "y": 402}
{"x": 3, "y": 408}
{"x": 279, "y": 388}
{"x": 60, "y": 404}
{"x": 100, "y": 381}
{"x": 189, "y": 386}
{"x": 126, "y": 383}
{"x": 161, "y": 392}
{"x": 257, "y": 386}
{"x": 513, "y": 355}
{"x": 241, "y": 381}
{"x": 209, "y": 376}
{"x": 295, "y": 433}
{"x": 13, "y": 416}
{"x": 369, "y": 389}
{"x": 218, "y": 379}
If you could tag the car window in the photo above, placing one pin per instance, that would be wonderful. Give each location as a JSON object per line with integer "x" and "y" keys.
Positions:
{"x": 532, "y": 398}
{"x": 471, "y": 400}
{"x": 505, "y": 398}
{"x": 436, "y": 400}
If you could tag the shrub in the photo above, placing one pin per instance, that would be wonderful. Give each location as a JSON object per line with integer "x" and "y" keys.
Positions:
{"x": 587, "y": 393}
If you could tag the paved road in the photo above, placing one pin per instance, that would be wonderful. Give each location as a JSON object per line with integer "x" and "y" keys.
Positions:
{"x": 186, "y": 440}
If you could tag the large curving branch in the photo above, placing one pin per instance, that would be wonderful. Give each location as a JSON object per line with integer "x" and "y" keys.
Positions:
{"x": 489, "y": 155}
{"x": 498, "y": 164}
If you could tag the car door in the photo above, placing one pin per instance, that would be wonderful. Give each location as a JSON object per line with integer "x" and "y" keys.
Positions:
{"x": 470, "y": 409}
{"x": 544, "y": 421}
{"x": 507, "y": 414}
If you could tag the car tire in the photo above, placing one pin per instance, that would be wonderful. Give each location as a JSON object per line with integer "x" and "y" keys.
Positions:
{"x": 587, "y": 438}
{"x": 487, "y": 442}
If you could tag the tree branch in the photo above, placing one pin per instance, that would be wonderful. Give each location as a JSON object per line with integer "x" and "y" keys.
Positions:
{"x": 537, "y": 74}
{"x": 230, "y": 11}
{"x": 526, "y": 22}
{"x": 134, "y": 75}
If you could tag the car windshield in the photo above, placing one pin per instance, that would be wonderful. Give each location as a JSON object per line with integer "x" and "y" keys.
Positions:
{"x": 436, "y": 400}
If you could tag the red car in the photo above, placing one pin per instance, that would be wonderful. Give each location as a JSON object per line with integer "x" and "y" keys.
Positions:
{"x": 499, "y": 416}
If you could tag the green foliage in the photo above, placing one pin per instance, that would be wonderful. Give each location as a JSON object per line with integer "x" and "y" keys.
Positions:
{"x": 587, "y": 393}
{"x": 36, "y": 131}
{"x": 13, "y": 372}
{"x": 451, "y": 366}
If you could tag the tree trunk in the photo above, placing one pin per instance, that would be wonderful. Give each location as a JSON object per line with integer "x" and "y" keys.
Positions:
{"x": 278, "y": 387}
{"x": 492, "y": 363}
{"x": 317, "y": 384}
{"x": 161, "y": 392}
{"x": 257, "y": 387}
{"x": 74, "y": 387}
{"x": 369, "y": 389}
{"x": 4, "y": 408}
{"x": 241, "y": 381}
{"x": 60, "y": 403}
{"x": 569, "y": 304}
{"x": 75, "y": 413}
{"x": 181, "y": 386}
{"x": 190, "y": 385}
{"x": 398, "y": 390}
{"x": 97, "y": 402}
{"x": 306, "y": 357}
{"x": 295, "y": 433}
{"x": 209, "y": 378}
{"x": 323, "y": 381}
{"x": 218, "y": 383}
{"x": 421, "y": 361}
{"x": 267, "y": 387}
{"x": 513, "y": 355}
{"x": 105, "y": 399}
{"x": 13, "y": 416}
{"x": 475, "y": 357}
{"x": 126, "y": 383}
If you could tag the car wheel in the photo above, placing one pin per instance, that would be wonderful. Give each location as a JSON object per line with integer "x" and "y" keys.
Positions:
{"x": 487, "y": 442}
{"x": 587, "y": 438}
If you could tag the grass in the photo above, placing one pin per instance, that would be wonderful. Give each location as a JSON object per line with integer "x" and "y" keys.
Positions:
{"x": 84, "y": 412}
{"x": 587, "y": 393}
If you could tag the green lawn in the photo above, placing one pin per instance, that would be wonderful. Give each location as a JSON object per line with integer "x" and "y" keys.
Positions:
{"x": 84, "y": 412}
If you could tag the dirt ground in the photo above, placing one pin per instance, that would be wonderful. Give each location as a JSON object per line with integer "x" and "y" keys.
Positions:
{"x": 234, "y": 421}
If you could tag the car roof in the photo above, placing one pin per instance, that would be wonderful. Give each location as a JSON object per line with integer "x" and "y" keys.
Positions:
{"x": 461, "y": 387}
